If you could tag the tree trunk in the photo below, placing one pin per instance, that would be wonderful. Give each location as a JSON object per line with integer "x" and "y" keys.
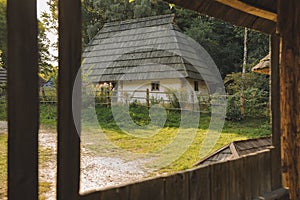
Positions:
{"x": 242, "y": 98}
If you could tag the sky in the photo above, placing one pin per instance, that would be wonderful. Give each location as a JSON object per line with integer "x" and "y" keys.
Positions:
{"x": 42, "y": 7}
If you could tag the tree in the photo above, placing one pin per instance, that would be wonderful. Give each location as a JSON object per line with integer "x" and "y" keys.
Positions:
{"x": 47, "y": 70}
{"x": 48, "y": 23}
{"x": 97, "y": 12}
{"x": 50, "y": 20}
{"x": 219, "y": 39}
{"x": 243, "y": 72}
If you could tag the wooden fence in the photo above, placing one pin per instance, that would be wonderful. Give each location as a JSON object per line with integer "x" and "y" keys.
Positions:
{"x": 248, "y": 177}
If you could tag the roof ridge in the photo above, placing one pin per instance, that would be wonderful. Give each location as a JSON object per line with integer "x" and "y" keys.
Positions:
{"x": 138, "y": 20}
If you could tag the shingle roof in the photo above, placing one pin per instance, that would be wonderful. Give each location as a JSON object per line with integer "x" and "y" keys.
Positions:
{"x": 237, "y": 149}
{"x": 145, "y": 49}
{"x": 3, "y": 75}
{"x": 264, "y": 65}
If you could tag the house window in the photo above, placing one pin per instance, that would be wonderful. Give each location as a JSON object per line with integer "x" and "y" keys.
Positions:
{"x": 196, "y": 86}
{"x": 155, "y": 86}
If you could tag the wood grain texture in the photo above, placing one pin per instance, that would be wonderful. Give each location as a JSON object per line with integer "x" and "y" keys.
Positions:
{"x": 224, "y": 12}
{"x": 289, "y": 28}
{"x": 199, "y": 183}
{"x": 68, "y": 159}
{"x": 148, "y": 190}
{"x": 275, "y": 110}
{"x": 23, "y": 112}
{"x": 179, "y": 181}
{"x": 250, "y": 9}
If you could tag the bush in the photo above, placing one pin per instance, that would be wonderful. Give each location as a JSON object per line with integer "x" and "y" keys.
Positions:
{"x": 234, "y": 107}
{"x": 48, "y": 113}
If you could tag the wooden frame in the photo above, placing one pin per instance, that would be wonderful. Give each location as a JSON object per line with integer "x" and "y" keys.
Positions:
{"x": 23, "y": 107}
{"x": 68, "y": 161}
{"x": 239, "y": 5}
{"x": 23, "y": 102}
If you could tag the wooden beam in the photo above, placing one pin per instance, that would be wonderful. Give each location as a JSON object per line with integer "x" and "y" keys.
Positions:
{"x": 68, "y": 159}
{"x": 23, "y": 102}
{"x": 275, "y": 110}
{"x": 289, "y": 29}
{"x": 249, "y": 9}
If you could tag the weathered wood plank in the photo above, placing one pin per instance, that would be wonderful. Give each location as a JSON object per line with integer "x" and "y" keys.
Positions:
{"x": 235, "y": 178}
{"x": 227, "y": 13}
{"x": 264, "y": 169}
{"x": 68, "y": 159}
{"x": 239, "y": 5}
{"x": 219, "y": 181}
{"x": 22, "y": 100}
{"x": 199, "y": 183}
{"x": 148, "y": 190}
{"x": 289, "y": 29}
{"x": 279, "y": 194}
{"x": 275, "y": 109}
{"x": 121, "y": 193}
{"x": 251, "y": 177}
{"x": 91, "y": 196}
{"x": 177, "y": 186}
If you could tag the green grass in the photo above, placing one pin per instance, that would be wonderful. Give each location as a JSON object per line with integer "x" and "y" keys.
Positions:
{"x": 3, "y": 165}
{"x": 232, "y": 131}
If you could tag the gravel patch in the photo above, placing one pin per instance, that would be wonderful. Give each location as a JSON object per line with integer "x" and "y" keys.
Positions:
{"x": 97, "y": 172}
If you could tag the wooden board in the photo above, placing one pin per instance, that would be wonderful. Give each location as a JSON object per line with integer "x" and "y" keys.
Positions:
{"x": 181, "y": 183}
{"x": 68, "y": 159}
{"x": 289, "y": 29}
{"x": 23, "y": 112}
{"x": 199, "y": 183}
{"x": 148, "y": 190}
{"x": 275, "y": 109}
{"x": 219, "y": 181}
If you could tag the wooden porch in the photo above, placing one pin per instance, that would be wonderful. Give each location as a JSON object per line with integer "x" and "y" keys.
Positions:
{"x": 255, "y": 176}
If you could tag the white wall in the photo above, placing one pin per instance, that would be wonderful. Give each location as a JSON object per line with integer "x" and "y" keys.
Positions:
{"x": 131, "y": 90}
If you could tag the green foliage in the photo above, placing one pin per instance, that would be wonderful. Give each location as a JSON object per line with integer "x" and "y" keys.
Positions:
{"x": 3, "y": 109}
{"x": 256, "y": 94}
{"x": 48, "y": 113}
{"x": 96, "y": 12}
{"x": 3, "y": 166}
{"x": 46, "y": 69}
{"x": 3, "y": 34}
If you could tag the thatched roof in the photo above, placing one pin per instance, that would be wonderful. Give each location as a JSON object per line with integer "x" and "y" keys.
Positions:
{"x": 145, "y": 49}
{"x": 237, "y": 149}
{"x": 3, "y": 75}
{"x": 255, "y": 14}
{"x": 264, "y": 65}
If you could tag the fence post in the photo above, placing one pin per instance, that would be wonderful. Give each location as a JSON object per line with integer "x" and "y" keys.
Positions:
{"x": 147, "y": 98}
{"x": 108, "y": 98}
{"x": 192, "y": 96}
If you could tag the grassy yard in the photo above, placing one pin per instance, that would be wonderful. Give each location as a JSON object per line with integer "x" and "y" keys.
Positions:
{"x": 232, "y": 130}
{"x": 3, "y": 165}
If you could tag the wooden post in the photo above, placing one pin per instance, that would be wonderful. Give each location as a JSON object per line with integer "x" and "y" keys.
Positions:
{"x": 147, "y": 98}
{"x": 289, "y": 29}
{"x": 68, "y": 159}
{"x": 275, "y": 110}
{"x": 23, "y": 102}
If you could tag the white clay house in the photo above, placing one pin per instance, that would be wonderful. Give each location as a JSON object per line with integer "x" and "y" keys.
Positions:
{"x": 148, "y": 53}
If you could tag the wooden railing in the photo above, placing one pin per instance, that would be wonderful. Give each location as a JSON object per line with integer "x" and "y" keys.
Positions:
{"x": 248, "y": 177}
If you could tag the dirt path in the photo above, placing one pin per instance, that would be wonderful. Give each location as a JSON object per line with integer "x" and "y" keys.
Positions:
{"x": 97, "y": 172}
